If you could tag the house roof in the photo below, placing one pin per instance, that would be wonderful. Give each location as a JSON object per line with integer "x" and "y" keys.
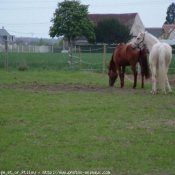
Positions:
{"x": 157, "y": 32}
{"x": 167, "y": 27}
{"x": 3, "y": 32}
{"x": 4, "y": 35}
{"x": 127, "y": 19}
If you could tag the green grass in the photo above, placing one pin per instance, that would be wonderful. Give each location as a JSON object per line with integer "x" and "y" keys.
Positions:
{"x": 52, "y": 61}
{"x": 122, "y": 131}
{"x": 58, "y": 61}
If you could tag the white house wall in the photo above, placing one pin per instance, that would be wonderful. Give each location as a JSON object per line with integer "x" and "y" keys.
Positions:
{"x": 137, "y": 26}
{"x": 172, "y": 35}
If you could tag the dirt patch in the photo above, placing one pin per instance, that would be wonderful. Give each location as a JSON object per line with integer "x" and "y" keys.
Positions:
{"x": 149, "y": 81}
{"x": 77, "y": 87}
{"x": 59, "y": 87}
{"x": 71, "y": 87}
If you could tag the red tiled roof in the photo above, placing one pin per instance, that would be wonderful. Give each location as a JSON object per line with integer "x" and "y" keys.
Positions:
{"x": 127, "y": 19}
{"x": 167, "y": 27}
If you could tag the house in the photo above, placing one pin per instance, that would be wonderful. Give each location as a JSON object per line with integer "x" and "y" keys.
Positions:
{"x": 5, "y": 36}
{"x": 132, "y": 20}
{"x": 169, "y": 30}
{"x": 166, "y": 33}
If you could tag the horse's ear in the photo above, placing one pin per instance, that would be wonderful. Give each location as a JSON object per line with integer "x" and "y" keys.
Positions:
{"x": 140, "y": 31}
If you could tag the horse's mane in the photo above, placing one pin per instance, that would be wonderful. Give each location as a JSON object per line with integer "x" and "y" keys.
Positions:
{"x": 111, "y": 64}
{"x": 156, "y": 40}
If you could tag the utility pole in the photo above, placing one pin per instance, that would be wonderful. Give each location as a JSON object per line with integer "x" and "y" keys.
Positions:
{"x": 32, "y": 41}
{"x": 6, "y": 55}
{"x": 32, "y": 35}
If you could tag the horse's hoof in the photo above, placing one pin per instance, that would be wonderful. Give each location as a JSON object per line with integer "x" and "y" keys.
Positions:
{"x": 170, "y": 92}
{"x": 154, "y": 92}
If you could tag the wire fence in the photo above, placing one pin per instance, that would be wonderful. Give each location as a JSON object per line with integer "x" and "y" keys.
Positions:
{"x": 89, "y": 58}
{"x": 31, "y": 49}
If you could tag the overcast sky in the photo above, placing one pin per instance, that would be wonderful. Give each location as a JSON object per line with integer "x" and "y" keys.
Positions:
{"x": 31, "y": 18}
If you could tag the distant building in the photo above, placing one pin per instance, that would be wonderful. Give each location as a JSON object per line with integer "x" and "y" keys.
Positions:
{"x": 166, "y": 33}
{"x": 158, "y": 32}
{"x": 5, "y": 36}
{"x": 132, "y": 20}
{"x": 169, "y": 31}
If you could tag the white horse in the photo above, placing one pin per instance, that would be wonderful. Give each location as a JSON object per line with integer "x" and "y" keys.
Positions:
{"x": 159, "y": 59}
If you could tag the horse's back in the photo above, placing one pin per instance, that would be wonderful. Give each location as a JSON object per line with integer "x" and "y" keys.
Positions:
{"x": 125, "y": 51}
{"x": 161, "y": 48}
{"x": 121, "y": 55}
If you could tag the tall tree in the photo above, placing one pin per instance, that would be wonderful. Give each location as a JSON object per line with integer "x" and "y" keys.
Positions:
{"x": 111, "y": 31}
{"x": 71, "y": 20}
{"x": 170, "y": 18}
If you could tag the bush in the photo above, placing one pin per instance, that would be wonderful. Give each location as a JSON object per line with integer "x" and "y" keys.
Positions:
{"x": 23, "y": 68}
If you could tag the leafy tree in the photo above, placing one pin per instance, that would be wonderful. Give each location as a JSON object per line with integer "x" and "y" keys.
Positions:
{"x": 71, "y": 20}
{"x": 170, "y": 18}
{"x": 111, "y": 31}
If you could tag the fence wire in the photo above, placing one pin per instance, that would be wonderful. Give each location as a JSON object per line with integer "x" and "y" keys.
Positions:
{"x": 50, "y": 58}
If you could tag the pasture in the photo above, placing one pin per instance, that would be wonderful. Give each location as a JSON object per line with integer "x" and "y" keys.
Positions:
{"x": 73, "y": 121}
{"x": 58, "y": 61}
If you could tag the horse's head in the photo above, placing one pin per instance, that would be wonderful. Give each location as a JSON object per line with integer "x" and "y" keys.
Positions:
{"x": 112, "y": 77}
{"x": 139, "y": 42}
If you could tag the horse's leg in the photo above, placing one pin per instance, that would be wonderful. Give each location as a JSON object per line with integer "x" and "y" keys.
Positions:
{"x": 153, "y": 62}
{"x": 142, "y": 75}
{"x": 167, "y": 82}
{"x": 169, "y": 87}
{"x": 154, "y": 79}
{"x": 120, "y": 75}
{"x": 123, "y": 75}
{"x": 135, "y": 75}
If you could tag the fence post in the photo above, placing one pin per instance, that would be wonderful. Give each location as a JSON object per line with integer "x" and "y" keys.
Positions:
{"x": 71, "y": 57}
{"x": 104, "y": 58}
{"x": 79, "y": 54}
{"x": 6, "y": 55}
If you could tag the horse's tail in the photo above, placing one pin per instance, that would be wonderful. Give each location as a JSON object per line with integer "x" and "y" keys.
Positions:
{"x": 162, "y": 71}
{"x": 144, "y": 62}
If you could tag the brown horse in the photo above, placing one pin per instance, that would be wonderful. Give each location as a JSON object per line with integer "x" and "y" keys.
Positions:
{"x": 124, "y": 56}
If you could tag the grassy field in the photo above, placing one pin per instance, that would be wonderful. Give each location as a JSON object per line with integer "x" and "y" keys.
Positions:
{"x": 58, "y": 61}
{"x": 73, "y": 121}
{"x": 53, "y": 61}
